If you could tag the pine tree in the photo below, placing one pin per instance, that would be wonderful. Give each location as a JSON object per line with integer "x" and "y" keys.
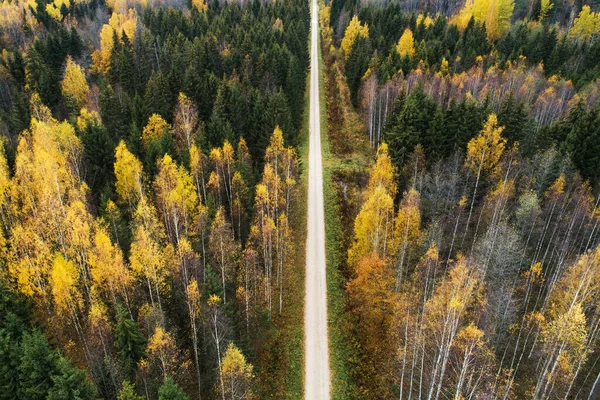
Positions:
{"x": 169, "y": 390}
{"x": 129, "y": 342}
{"x": 70, "y": 383}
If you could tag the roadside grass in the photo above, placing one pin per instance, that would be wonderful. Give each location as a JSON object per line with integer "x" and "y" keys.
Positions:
{"x": 340, "y": 346}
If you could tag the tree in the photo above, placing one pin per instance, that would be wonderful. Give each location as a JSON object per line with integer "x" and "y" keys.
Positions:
{"x": 169, "y": 390}
{"x": 127, "y": 392}
{"x": 164, "y": 356}
{"x": 155, "y": 129}
{"x": 237, "y": 375}
{"x": 176, "y": 199}
{"x": 74, "y": 86}
{"x": 200, "y": 5}
{"x": 371, "y": 298}
{"x": 483, "y": 153}
{"x": 444, "y": 313}
{"x": 108, "y": 269}
{"x": 193, "y": 301}
{"x": 70, "y": 383}
{"x": 147, "y": 255}
{"x": 373, "y": 226}
{"x": 495, "y": 14}
{"x": 586, "y": 25}
{"x": 224, "y": 249}
{"x": 354, "y": 29}
{"x": 406, "y": 44}
{"x": 130, "y": 343}
{"x": 198, "y": 168}
{"x": 36, "y": 367}
{"x": 66, "y": 294}
{"x": 407, "y": 231}
{"x": 186, "y": 121}
{"x": 128, "y": 171}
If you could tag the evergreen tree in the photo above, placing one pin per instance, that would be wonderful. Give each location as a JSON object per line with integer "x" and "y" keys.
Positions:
{"x": 169, "y": 390}
{"x": 130, "y": 343}
{"x": 37, "y": 365}
{"x": 70, "y": 383}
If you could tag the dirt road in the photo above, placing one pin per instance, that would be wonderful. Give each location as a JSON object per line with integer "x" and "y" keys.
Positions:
{"x": 316, "y": 345}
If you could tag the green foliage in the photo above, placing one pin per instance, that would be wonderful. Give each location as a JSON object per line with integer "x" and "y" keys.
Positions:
{"x": 169, "y": 390}
{"x": 129, "y": 342}
{"x": 70, "y": 383}
{"x": 38, "y": 363}
{"x": 127, "y": 392}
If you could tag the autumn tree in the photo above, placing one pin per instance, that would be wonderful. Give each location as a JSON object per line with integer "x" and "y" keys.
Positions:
{"x": 496, "y": 15}
{"x": 108, "y": 269}
{"x": 147, "y": 255}
{"x": 74, "y": 86}
{"x": 483, "y": 153}
{"x": 406, "y": 44}
{"x": 164, "y": 357}
{"x": 371, "y": 298}
{"x": 176, "y": 199}
{"x": 193, "y": 302}
{"x": 586, "y": 25}
{"x": 155, "y": 129}
{"x": 129, "y": 174}
{"x": 237, "y": 375}
{"x": 186, "y": 121}
{"x": 223, "y": 248}
{"x": 407, "y": 231}
{"x": 373, "y": 226}
{"x": 354, "y": 30}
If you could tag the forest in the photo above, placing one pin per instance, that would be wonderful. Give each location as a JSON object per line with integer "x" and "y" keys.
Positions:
{"x": 153, "y": 179}
{"x": 149, "y": 197}
{"x": 466, "y": 165}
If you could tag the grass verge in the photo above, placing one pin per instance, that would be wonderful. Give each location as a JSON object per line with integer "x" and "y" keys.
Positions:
{"x": 342, "y": 386}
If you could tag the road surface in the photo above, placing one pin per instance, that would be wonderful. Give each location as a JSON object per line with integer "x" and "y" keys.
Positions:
{"x": 316, "y": 345}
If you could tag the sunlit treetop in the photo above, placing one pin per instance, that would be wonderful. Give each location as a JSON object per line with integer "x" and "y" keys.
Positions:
{"x": 586, "y": 25}
{"x": 354, "y": 30}
{"x": 406, "y": 44}
{"x": 496, "y": 15}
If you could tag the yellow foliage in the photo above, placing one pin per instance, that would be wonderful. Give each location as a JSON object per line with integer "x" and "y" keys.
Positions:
{"x": 383, "y": 172}
{"x": 545, "y": 7}
{"x": 176, "y": 198}
{"x": 496, "y": 15}
{"x": 277, "y": 25}
{"x": 237, "y": 374}
{"x": 427, "y": 21}
{"x": 101, "y": 57}
{"x": 485, "y": 149}
{"x": 128, "y": 171}
{"x": 87, "y": 118}
{"x": 154, "y": 129}
{"x": 119, "y": 24}
{"x": 407, "y": 233}
{"x": 214, "y": 300}
{"x": 586, "y": 24}
{"x": 406, "y": 44}
{"x": 63, "y": 280}
{"x": 373, "y": 227}
{"x": 354, "y": 30}
{"x": 453, "y": 295}
{"x": 107, "y": 267}
{"x": 557, "y": 188}
{"x": 74, "y": 85}
{"x": 200, "y": 5}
